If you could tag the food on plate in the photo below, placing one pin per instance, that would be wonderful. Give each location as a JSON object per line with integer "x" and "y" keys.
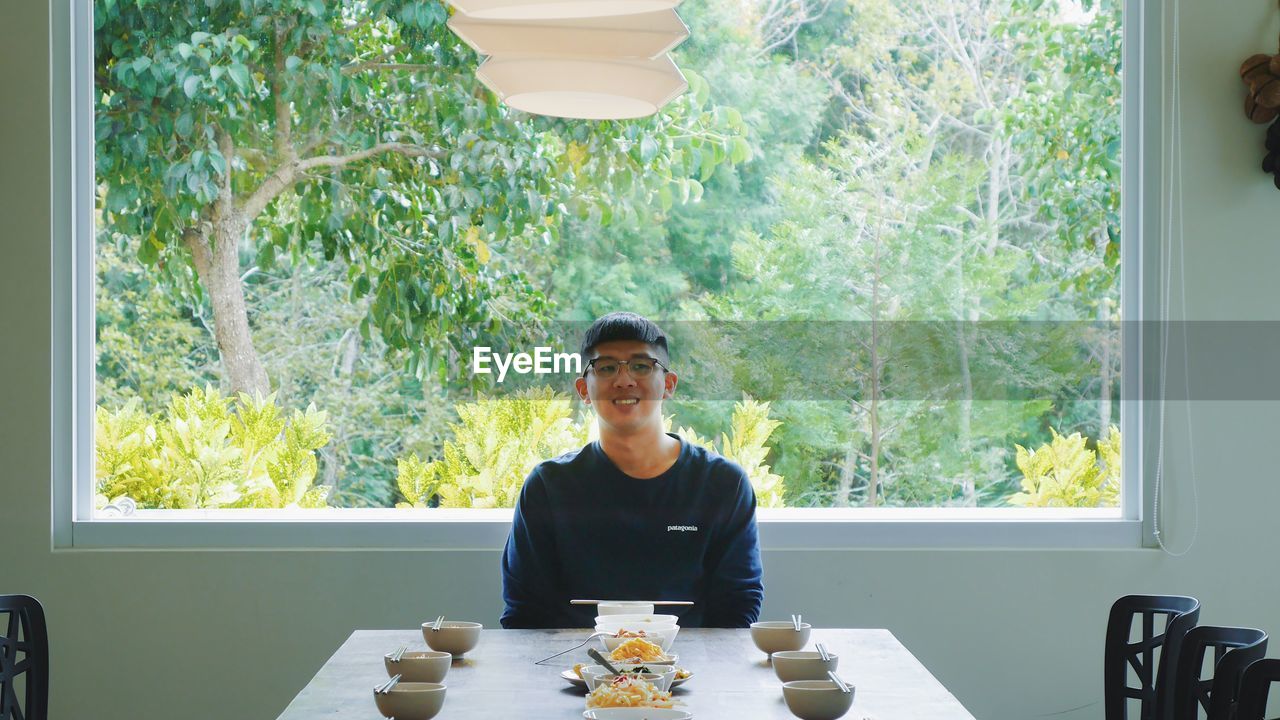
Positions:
{"x": 682, "y": 674}
{"x": 637, "y": 650}
{"x": 628, "y": 691}
{"x": 624, "y": 633}
{"x": 577, "y": 669}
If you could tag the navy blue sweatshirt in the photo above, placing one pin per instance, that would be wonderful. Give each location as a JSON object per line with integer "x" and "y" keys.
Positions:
{"x": 584, "y": 529}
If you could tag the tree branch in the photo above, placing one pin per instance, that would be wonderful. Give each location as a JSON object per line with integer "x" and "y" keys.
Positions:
{"x": 287, "y": 173}
{"x": 373, "y": 61}
{"x": 284, "y": 113}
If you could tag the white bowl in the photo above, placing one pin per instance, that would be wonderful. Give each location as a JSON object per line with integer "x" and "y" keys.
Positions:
{"x": 816, "y": 699}
{"x": 773, "y": 636}
{"x": 624, "y": 607}
{"x": 636, "y": 714}
{"x": 670, "y": 660}
{"x": 419, "y": 666}
{"x": 660, "y": 675}
{"x": 411, "y": 701}
{"x": 791, "y": 665}
{"x": 454, "y": 636}
{"x": 663, "y": 637}
{"x": 644, "y": 620}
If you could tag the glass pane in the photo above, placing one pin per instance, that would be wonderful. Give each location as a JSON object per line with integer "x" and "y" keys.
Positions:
{"x": 882, "y": 235}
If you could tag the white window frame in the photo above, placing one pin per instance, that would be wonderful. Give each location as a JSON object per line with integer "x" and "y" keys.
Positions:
{"x": 72, "y": 388}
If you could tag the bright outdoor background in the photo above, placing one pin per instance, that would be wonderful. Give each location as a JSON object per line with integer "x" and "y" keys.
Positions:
{"x": 310, "y": 212}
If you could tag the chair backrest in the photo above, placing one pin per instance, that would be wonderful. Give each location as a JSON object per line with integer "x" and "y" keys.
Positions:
{"x": 1254, "y": 688}
{"x": 1155, "y": 687}
{"x": 1233, "y": 650}
{"x": 24, "y": 651}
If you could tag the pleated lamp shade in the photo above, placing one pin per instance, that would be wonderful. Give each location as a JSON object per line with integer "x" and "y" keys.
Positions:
{"x": 557, "y": 9}
{"x": 583, "y": 88}
{"x": 640, "y": 36}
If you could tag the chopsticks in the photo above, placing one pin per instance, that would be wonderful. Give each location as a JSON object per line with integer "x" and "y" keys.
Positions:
{"x": 385, "y": 687}
{"x": 822, "y": 652}
{"x": 399, "y": 653}
{"x": 844, "y": 687}
{"x": 795, "y": 620}
{"x": 641, "y": 602}
{"x": 435, "y": 627}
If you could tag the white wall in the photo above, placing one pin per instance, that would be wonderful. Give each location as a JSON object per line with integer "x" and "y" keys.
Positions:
{"x": 1014, "y": 634}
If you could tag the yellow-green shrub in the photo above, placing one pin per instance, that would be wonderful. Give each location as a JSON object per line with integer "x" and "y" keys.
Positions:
{"x": 750, "y": 429}
{"x": 495, "y": 444}
{"x": 207, "y": 451}
{"x": 498, "y": 441}
{"x": 1066, "y": 473}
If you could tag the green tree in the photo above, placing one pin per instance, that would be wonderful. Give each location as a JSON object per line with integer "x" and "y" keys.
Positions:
{"x": 359, "y": 128}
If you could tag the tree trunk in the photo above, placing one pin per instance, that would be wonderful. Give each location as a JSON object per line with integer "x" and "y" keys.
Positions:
{"x": 217, "y": 263}
{"x": 873, "y": 469}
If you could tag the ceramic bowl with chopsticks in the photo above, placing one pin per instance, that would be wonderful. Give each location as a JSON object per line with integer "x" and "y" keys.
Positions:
{"x": 454, "y": 636}
{"x": 411, "y": 701}
{"x": 773, "y": 636}
{"x": 816, "y": 699}
{"x": 791, "y": 665}
{"x": 419, "y": 666}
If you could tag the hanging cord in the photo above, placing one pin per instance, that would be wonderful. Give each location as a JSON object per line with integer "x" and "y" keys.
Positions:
{"x": 1174, "y": 199}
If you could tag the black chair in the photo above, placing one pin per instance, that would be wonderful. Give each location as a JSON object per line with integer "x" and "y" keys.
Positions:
{"x": 1254, "y": 688}
{"x": 24, "y": 649}
{"x": 1233, "y": 650}
{"x": 1155, "y": 689}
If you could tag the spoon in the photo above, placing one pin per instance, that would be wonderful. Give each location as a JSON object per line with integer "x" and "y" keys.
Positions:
{"x": 595, "y": 655}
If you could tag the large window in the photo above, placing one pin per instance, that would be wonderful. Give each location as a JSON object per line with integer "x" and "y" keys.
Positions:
{"x": 884, "y": 236}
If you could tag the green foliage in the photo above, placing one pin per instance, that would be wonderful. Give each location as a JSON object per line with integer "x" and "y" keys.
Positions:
{"x": 149, "y": 343}
{"x": 1066, "y": 473}
{"x": 359, "y": 128}
{"x": 744, "y": 444}
{"x": 207, "y": 452}
{"x": 496, "y": 442}
{"x": 893, "y": 161}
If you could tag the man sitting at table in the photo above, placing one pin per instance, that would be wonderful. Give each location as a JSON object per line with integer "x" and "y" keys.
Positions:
{"x": 640, "y": 514}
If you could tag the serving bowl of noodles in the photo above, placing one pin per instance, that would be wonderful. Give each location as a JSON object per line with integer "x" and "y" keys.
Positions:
{"x": 641, "y": 651}
{"x": 659, "y": 675}
{"x": 628, "y": 691}
{"x": 663, "y": 637}
{"x": 636, "y": 714}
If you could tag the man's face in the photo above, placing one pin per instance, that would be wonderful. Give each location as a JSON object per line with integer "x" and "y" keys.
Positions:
{"x": 626, "y": 403}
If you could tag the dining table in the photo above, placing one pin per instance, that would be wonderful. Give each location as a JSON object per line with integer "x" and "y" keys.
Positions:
{"x": 731, "y": 678}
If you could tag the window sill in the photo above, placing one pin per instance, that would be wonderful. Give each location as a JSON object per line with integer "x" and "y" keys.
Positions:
{"x": 780, "y": 529}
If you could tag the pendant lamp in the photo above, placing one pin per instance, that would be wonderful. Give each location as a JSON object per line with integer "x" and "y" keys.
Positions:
{"x": 640, "y": 36}
{"x": 583, "y": 88}
{"x": 557, "y": 9}
{"x": 584, "y": 59}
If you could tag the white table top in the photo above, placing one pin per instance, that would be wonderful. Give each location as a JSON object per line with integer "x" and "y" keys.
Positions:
{"x": 731, "y": 678}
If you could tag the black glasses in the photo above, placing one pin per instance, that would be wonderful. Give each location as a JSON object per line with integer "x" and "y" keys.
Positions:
{"x": 637, "y": 367}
